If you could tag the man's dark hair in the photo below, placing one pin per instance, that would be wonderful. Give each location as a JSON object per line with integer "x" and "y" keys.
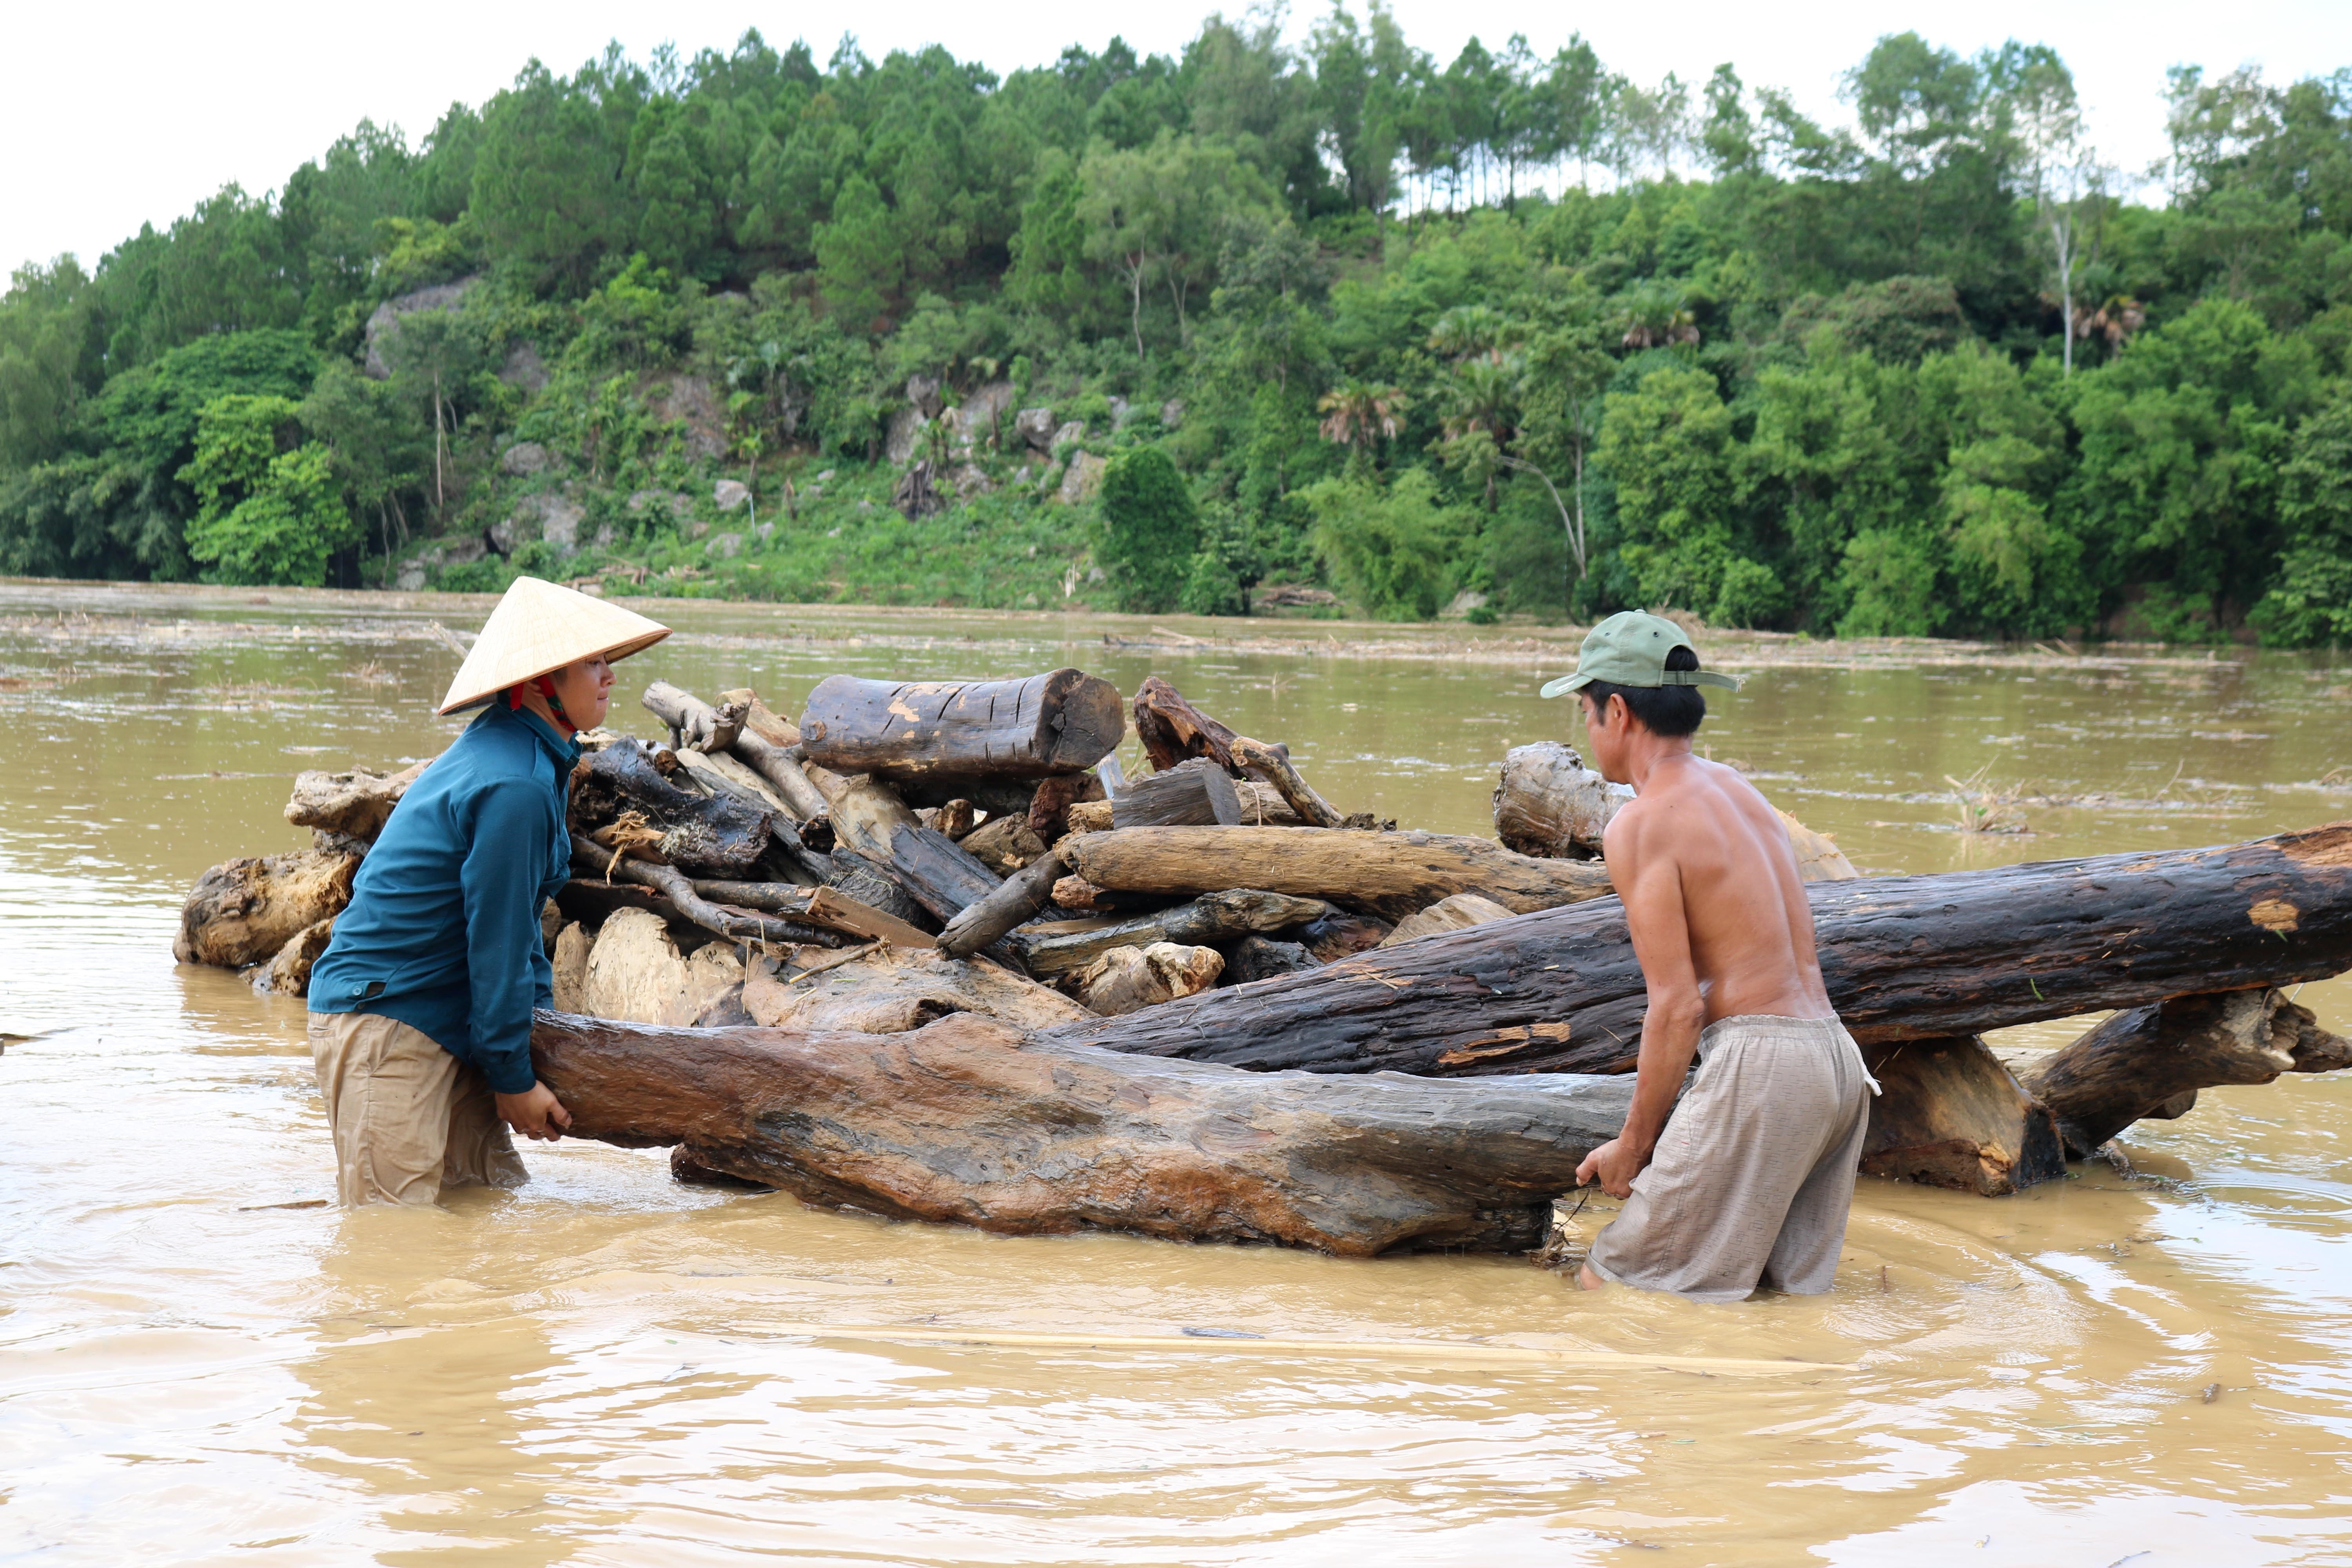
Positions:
{"x": 1668, "y": 711}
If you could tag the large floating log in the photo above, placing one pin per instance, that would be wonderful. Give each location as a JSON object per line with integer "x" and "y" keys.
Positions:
{"x": 959, "y": 1123}
{"x": 1387, "y": 874}
{"x": 1063, "y": 722}
{"x": 1962, "y": 953}
{"x": 244, "y": 910}
{"x": 2150, "y": 1061}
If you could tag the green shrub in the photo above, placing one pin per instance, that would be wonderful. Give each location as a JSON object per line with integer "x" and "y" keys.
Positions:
{"x": 1151, "y": 531}
{"x": 266, "y": 515}
{"x": 1393, "y": 551}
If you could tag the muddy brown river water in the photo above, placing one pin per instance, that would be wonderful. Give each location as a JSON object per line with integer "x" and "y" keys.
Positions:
{"x": 602, "y": 1368}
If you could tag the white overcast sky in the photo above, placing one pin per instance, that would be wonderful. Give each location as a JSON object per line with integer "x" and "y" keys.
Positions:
{"x": 113, "y": 114}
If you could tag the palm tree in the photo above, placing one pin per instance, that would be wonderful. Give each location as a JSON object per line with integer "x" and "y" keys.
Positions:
{"x": 1656, "y": 316}
{"x": 1482, "y": 413}
{"x": 1467, "y": 332}
{"x": 1358, "y": 414}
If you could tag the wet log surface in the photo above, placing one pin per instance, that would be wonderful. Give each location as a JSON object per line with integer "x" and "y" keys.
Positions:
{"x": 243, "y": 911}
{"x": 1063, "y": 722}
{"x": 959, "y": 1122}
{"x": 355, "y": 804}
{"x": 2150, "y": 1061}
{"x": 1391, "y": 874}
{"x": 1906, "y": 958}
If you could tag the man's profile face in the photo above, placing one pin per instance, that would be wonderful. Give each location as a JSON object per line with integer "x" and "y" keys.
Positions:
{"x": 1605, "y": 731}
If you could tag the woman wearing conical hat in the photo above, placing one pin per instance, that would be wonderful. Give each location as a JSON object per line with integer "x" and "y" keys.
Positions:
{"x": 420, "y": 1009}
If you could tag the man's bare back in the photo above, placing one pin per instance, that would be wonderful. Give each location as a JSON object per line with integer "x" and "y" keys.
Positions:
{"x": 1755, "y": 1184}
{"x": 1748, "y": 930}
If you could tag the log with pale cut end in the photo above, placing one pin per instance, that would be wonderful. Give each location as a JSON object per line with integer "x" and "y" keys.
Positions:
{"x": 1961, "y": 953}
{"x": 1458, "y": 912}
{"x": 636, "y": 973}
{"x": 2150, "y": 1061}
{"x": 1129, "y": 979}
{"x": 961, "y": 1123}
{"x": 884, "y": 991}
{"x": 1391, "y": 874}
{"x": 1550, "y": 805}
{"x": 1192, "y": 794}
{"x": 1949, "y": 1114}
{"x": 1063, "y": 722}
{"x": 1212, "y": 918}
{"x": 243, "y": 911}
{"x": 355, "y": 804}
{"x": 1819, "y": 860}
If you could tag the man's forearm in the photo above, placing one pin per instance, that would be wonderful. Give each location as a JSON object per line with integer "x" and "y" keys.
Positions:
{"x": 1668, "y": 1043}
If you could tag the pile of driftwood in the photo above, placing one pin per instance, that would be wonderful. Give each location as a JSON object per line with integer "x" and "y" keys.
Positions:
{"x": 926, "y": 953}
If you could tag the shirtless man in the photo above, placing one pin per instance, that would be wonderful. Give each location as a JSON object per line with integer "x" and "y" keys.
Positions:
{"x": 1747, "y": 1182}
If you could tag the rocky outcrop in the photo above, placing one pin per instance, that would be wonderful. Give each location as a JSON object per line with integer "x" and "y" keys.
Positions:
{"x": 906, "y": 433}
{"x": 1082, "y": 479}
{"x": 689, "y": 403}
{"x": 524, "y": 457}
{"x": 1034, "y": 428}
{"x": 729, "y": 494}
{"x": 385, "y": 321}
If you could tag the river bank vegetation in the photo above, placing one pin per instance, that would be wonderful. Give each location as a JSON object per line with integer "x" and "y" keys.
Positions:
{"x": 1272, "y": 327}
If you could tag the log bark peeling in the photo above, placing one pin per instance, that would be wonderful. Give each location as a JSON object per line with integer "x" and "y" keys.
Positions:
{"x": 1063, "y": 722}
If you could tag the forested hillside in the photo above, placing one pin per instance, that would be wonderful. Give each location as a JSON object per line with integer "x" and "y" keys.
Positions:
{"x": 1313, "y": 327}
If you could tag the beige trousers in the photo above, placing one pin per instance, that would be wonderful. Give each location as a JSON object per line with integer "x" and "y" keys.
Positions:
{"x": 1751, "y": 1180}
{"x": 409, "y": 1119}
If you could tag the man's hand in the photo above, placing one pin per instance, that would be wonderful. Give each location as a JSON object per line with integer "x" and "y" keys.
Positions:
{"x": 535, "y": 1113}
{"x": 1615, "y": 1165}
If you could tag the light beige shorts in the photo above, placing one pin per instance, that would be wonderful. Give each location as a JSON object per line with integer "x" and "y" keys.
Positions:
{"x": 1750, "y": 1181}
{"x": 409, "y": 1119}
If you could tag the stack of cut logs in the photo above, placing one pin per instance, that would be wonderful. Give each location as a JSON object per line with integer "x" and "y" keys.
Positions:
{"x": 1094, "y": 989}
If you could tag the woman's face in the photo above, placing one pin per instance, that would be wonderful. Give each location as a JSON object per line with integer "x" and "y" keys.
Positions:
{"x": 585, "y": 689}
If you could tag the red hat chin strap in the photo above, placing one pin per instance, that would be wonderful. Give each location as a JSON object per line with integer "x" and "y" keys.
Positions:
{"x": 546, "y": 685}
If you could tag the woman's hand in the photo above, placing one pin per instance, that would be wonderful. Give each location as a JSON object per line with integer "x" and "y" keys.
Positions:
{"x": 535, "y": 1113}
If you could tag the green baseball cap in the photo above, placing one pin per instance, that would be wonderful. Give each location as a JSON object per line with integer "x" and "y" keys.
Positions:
{"x": 1630, "y": 648}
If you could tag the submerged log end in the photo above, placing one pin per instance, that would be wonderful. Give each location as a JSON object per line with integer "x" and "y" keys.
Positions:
{"x": 1949, "y": 1114}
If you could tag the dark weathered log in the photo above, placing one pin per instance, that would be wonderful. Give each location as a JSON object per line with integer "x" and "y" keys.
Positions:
{"x": 1387, "y": 874}
{"x": 1003, "y": 844}
{"x": 1172, "y": 731}
{"x": 1341, "y": 935}
{"x": 1194, "y": 793}
{"x": 243, "y": 911}
{"x": 591, "y": 864}
{"x": 932, "y": 867}
{"x": 355, "y": 804}
{"x": 1962, "y": 953}
{"x": 877, "y": 886}
{"x": 1049, "y": 806}
{"x": 768, "y": 746}
{"x": 959, "y": 1122}
{"x": 1950, "y": 1115}
{"x": 1274, "y": 765}
{"x": 1261, "y": 957}
{"x": 1017, "y": 898}
{"x": 710, "y": 833}
{"x": 2143, "y": 1060}
{"x": 1059, "y": 722}
{"x": 1204, "y": 922}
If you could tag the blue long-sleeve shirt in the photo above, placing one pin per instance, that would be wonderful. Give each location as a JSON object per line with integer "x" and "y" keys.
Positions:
{"x": 443, "y": 929}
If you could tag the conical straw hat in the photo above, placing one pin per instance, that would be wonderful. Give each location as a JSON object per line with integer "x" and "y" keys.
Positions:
{"x": 538, "y": 627}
